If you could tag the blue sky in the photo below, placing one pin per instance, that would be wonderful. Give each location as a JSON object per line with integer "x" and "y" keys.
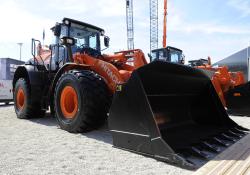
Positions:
{"x": 199, "y": 27}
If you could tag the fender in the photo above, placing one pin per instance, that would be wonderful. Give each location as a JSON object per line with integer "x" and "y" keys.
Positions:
{"x": 30, "y": 72}
{"x": 64, "y": 68}
{"x": 37, "y": 80}
{"x": 106, "y": 70}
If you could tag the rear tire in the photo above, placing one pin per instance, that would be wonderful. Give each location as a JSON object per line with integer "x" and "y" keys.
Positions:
{"x": 24, "y": 107}
{"x": 81, "y": 101}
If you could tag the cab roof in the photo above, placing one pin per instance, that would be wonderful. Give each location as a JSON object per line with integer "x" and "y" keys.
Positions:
{"x": 168, "y": 47}
{"x": 83, "y": 24}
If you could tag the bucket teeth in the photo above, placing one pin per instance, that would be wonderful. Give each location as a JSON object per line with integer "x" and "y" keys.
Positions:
{"x": 190, "y": 161}
{"x": 238, "y": 131}
{"x": 226, "y": 137}
{"x": 187, "y": 156}
{"x": 210, "y": 147}
{"x": 241, "y": 128}
{"x": 233, "y": 134}
{"x": 220, "y": 142}
{"x": 196, "y": 152}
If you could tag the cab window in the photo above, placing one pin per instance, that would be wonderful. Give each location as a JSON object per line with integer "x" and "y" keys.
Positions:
{"x": 174, "y": 57}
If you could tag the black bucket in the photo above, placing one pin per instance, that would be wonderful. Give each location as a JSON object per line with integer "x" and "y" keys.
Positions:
{"x": 171, "y": 112}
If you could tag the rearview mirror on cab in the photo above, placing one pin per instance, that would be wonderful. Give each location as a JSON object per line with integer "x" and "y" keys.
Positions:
{"x": 106, "y": 41}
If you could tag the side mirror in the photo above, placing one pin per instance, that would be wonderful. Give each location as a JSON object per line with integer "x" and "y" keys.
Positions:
{"x": 150, "y": 57}
{"x": 68, "y": 41}
{"x": 50, "y": 47}
{"x": 57, "y": 30}
{"x": 106, "y": 41}
{"x": 182, "y": 59}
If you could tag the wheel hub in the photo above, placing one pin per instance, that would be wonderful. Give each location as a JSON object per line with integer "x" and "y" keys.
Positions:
{"x": 20, "y": 98}
{"x": 69, "y": 102}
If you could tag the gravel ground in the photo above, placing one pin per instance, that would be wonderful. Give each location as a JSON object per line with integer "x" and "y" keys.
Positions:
{"x": 38, "y": 146}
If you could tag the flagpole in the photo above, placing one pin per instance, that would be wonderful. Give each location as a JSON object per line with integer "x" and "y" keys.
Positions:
{"x": 43, "y": 36}
{"x": 20, "y": 50}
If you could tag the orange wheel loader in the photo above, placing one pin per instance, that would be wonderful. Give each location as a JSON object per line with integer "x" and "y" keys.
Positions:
{"x": 163, "y": 110}
{"x": 223, "y": 80}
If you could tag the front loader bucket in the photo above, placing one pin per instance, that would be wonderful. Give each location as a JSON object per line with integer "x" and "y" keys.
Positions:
{"x": 171, "y": 112}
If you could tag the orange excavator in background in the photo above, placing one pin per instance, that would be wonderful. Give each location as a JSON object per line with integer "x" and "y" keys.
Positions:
{"x": 222, "y": 79}
{"x": 167, "y": 111}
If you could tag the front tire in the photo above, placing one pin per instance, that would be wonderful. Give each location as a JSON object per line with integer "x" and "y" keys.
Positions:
{"x": 25, "y": 108}
{"x": 81, "y": 101}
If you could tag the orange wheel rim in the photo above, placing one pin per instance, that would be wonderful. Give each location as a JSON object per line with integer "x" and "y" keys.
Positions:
{"x": 20, "y": 98}
{"x": 69, "y": 102}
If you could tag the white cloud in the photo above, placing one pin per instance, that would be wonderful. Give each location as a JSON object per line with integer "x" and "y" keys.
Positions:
{"x": 177, "y": 21}
{"x": 243, "y": 6}
{"x": 18, "y": 25}
{"x": 110, "y": 8}
{"x": 21, "y": 23}
{"x": 73, "y": 6}
{"x": 209, "y": 28}
{"x": 105, "y": 8}
{"x": 216, "y": 48}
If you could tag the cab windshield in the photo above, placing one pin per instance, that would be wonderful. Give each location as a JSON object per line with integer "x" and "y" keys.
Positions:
{"x": 83, "y": 36}
{"x": 167, "y": 54}
{"x": 175, "y": 56}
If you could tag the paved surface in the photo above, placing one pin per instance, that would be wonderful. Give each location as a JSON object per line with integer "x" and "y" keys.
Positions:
{"x": 38, "y": 146}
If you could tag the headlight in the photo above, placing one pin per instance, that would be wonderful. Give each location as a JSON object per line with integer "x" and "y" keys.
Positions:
{"x": 67, "y": 41}
{"x": 66, "y": 22}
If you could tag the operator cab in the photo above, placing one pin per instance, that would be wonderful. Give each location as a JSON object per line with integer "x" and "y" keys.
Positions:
{"x": 200, "y": 62}
{"x": 169, "y": 54}
{"x": 83, "y": 37}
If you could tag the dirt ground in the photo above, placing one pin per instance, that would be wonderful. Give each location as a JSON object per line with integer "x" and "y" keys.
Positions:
{"x": 38, "y": 146}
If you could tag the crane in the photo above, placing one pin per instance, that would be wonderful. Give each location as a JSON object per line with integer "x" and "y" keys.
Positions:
{"x": 153, "y": 24}
{"x": 170, "y": 54}
{"x": 130, "y": 24}
{"x": 166, "y": 53}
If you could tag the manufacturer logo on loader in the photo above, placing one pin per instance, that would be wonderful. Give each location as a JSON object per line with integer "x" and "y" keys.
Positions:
{"x": 119, "y": 87}
{"x": 111, "y": 75}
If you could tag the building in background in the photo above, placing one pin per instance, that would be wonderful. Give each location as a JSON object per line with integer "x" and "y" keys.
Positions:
{"x": 7, "y": 70}
{"x": 238, "y": 61}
